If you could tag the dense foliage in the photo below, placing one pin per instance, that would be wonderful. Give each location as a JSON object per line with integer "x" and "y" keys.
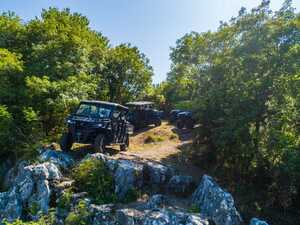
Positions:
{"x": 49, "y": 64}
{"x": 93, "y": 177}
{"x": 244, "y": 82}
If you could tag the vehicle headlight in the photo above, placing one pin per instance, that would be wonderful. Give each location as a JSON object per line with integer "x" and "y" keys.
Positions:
{"x": 70, "y": 121}
{"x": 100, "y": 125}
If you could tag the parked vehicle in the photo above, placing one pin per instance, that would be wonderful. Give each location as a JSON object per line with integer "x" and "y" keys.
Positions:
{"x": 97, "y": 123}
{"x": 142, "y": 114}
{"x": 185, "y": 120}
{"x": 173, "y": 115}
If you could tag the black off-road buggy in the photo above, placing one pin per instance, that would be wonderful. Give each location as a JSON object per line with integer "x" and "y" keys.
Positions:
{"x": 142, "y": 114}
{"x": 97, "y": 123}
{"x": 185, "y": 119}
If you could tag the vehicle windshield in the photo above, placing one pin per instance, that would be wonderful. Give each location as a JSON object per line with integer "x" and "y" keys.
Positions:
{"x": 94, "y": 110}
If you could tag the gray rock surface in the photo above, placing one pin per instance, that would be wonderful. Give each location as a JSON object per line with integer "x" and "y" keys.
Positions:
{"x": 128, "y": 175}
{"x": 103, "y": 214}
{"x": 29, "y": 188}
{"x": 59, "y": 158}
{"x": 181, "y": 185}
{"x": 156, "y": 201}
{"x": 256, "y": 221}
{"x": 157, "y": 174}
{"x": 158, "y": 217}
{"x": 215, "y": 203}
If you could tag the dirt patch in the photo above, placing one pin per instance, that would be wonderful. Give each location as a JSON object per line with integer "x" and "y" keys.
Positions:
{"x": 167, "y": 149}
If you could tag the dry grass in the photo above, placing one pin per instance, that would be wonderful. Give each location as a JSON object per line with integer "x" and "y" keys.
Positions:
{"x": 153, "y": 136}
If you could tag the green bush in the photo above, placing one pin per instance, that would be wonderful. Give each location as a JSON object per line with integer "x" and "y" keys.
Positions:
{"x": 64, "y": 202}
{"x": 6, "y": 130}
{"x": 80, "y": 215}
{"x": 93, "y": 177}
{"x": 152, "y": 138}
{"x": 44, "y": 220}
{"x": 131, "y": 195}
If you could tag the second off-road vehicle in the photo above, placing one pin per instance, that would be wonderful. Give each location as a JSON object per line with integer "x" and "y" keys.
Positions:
{"x": 185, "y": 119}
{"x": 142, "y": 114}
{"x": 98, "y": 123}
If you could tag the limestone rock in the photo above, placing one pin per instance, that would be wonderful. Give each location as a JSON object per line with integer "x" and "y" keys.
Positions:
{"x": 255, "y": 221}
{"x": 128, "y": 175}
{"x": 158, "y": 217}
{"x": 215, "y": 203}
{"x": 181, "y": 185}
{"x": 157, "y": 174}
{"x": 156, "y": 201}
{"x": 59, "y": 158}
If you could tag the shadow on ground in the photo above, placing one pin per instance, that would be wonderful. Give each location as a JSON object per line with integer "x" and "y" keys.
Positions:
{"x": 81, "y": 151}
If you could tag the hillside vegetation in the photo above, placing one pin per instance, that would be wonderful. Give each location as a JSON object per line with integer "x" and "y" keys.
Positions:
{"x": 241, "y": 81}
{"x": 48, "y": 65}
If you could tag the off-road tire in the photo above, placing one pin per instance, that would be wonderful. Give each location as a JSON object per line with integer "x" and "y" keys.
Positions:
{"x": 66, "y": 142}
{"x": 124, "y": 147}
{"x": 158, "y": 123}
{"x": 99, "y": 143}
{"x": 180, "y": 124}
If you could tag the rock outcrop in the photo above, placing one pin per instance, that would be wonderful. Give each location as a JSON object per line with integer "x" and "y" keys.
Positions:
{"x": 215, "y": 203}
{"x": 130, "y": 174}
{"x": 158, "y": 217}
{"x": 30, "y": 188}
{"x": 181, "y": 185}
{"x": 59, "y": 158}
{"x": 255, "y": 221}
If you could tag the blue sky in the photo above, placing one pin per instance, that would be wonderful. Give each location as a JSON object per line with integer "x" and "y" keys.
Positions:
{"x": 151, "y": 25}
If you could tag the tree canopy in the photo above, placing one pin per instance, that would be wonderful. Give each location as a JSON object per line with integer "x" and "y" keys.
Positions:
{"x": 50, "y": 63}
{"x": 243, "y": 80}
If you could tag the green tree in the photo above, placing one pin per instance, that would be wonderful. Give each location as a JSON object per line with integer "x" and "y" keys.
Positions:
{"x": 245, "y": 88}
{"x": 127, "y": 74}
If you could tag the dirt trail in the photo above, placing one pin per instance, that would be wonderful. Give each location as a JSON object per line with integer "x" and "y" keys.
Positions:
{"x": 167, "y": 150}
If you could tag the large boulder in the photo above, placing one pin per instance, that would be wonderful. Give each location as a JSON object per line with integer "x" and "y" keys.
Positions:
{"x": 181, "y": 185}
{"x": 215, "y": 203}
{"x": 128, "y": 176}
{"x": 158, "y": 217}
{"x": 156, "y": 201}
{"x": 59, "y": 158}
{"x": 11, "y": 205}
{"x": 255, "y": 221}
{"x": 29, "y": 188}
{"x": 157, "y": 174}
{"x": 103, "y": 214}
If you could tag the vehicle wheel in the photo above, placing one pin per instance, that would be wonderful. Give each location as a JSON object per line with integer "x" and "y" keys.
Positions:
{"x": 124, "y": 147}
{"x": 158, "y": 123}
{"x": 180, "y": 124}
{"x": 99, "y": 144}
{"x": 66, "y": 142}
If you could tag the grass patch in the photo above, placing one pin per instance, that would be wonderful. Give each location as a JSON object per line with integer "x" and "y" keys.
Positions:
{"x": 152, "y": 138}
{"x": 79, "y": 216}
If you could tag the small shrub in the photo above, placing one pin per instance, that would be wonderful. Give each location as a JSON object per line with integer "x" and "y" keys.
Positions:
{"x": 193, "y": 209}
{"x": 44, "y": 220}
{"x": 64, "y": 201}
{"x": 151, "y": 138}
{"x": 131, "y": 196}
{"x": 34, "y": 208}
{"x": 79, "y": 216}
{"x": 93, "y": 177}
